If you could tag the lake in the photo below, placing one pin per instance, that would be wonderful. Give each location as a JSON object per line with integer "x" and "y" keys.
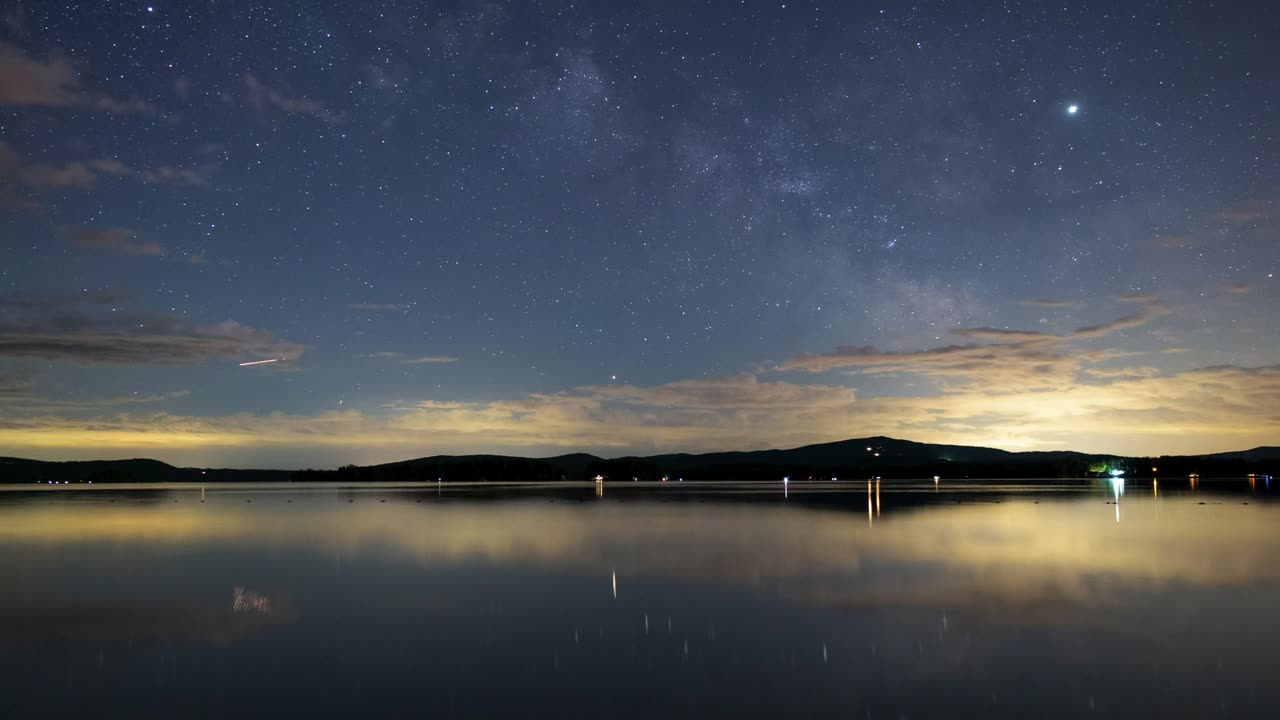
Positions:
{"x": 824, "y": 599}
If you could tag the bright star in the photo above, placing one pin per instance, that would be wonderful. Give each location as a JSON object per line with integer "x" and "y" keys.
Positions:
{"x": 1073, "y": 109}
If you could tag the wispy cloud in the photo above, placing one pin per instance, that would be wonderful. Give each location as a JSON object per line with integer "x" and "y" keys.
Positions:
{"x": 263, "y": 98}
{"x": 72, "y": 174}
{"x": 1246, "y": 213}
{"x": 1139, "y": 411}
{"x": 1001, "y": 360}
{"x": 29, "y": 82}
{"x": 379, "y": 307}
{"x": 117, "y": 240}
{"x": 15, "y": 386}
{"x": 72, "y": 329}
{"x": 1242, "y": 217}
{"x": 198, "y": 176}
{"x": 16, "y": 176}
{"x": 31, "y": 403}
{"x": 411, "y": 360}
{"x": 431, "y": 360}
{"x": 1151, "y": 309}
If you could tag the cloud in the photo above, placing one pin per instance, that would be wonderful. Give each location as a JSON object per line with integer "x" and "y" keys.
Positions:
{"x": 29, "y": 82}
{"x": 1005, "y": 361}
{"x": 1002, "y": 335}
{"x": 379, "y": 307}
{"x": 431, "y": 360}
{"x": 161, "y": 175}
{"x": 227, "y": 340}
{"x": 104, "y": 296}
{"x": 1236, "y": 288}
{"x": 1151, "y": 310}
{"x": 72, "y": 174}
{"x": 735, "y": 393}
{"x": 718, "y": 413}
{"x": 111, "y": 166}
{"x": 1204, "y": 410}
{"x": 167, "y": 175}
{"x": 1245, "y": 213}
{"x": 263, "y": 98}
{"x": 14, "y": 175}
{"x": 1050, "y": 303}
{"x": 30, "y": 402}
{"x": 25, "y": 81}
{"x": 1174, "y": 241}
{"x": 423, "y": 360}
{"x": 15, "y": 386}
{"x": 117, "y": 240}
{"x": 11, "y": 181}
{"x": 1243, "y": 216}
{"x": 71, "y": 330}
{"x": 10, "y": 201}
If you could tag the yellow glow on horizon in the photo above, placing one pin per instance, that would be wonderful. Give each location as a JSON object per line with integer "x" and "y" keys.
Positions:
{"x": 1143, "y": 414}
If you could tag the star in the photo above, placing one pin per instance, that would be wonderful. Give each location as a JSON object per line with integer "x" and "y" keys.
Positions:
{"x": 1073, "y": 109}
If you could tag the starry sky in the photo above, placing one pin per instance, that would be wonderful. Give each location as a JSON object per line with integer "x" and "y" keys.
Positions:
{"x": 627, "y": 228}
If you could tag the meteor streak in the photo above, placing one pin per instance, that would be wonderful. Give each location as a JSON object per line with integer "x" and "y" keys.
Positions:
{"x": 259, "y": 362}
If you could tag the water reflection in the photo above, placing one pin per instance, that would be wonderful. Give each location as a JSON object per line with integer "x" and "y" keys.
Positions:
{"x": 725, "y": 542}
{"x": 774, "y": 605}
{"x": 243, "y": 601}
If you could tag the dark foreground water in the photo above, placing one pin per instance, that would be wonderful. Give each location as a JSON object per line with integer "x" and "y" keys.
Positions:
{"x": 974, "y": 600}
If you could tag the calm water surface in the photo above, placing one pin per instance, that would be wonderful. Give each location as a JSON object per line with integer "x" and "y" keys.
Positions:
{"x": 974, "y": 600}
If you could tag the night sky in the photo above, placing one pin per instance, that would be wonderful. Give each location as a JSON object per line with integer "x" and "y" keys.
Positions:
{"x": 625, "y": 228}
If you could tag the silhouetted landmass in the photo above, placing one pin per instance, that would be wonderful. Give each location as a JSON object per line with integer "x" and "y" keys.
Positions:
{"x": 18, "y": 470}
{"x": 847, "y": 459}
{"x": 1258, "y": 454}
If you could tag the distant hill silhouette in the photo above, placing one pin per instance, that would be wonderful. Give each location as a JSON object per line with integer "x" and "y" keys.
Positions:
{"x": 857, "y": 458}
{"x": 18, "y": 470}
{"x": 1257, "y": 454}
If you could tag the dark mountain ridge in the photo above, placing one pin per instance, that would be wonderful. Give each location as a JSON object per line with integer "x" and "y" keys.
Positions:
{"x": 856, "y": 458}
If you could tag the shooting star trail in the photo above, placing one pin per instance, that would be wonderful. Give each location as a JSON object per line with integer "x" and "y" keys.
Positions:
{"x": 259, "y": 362}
